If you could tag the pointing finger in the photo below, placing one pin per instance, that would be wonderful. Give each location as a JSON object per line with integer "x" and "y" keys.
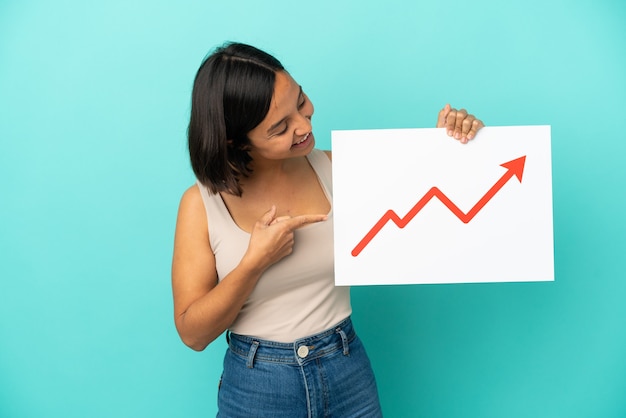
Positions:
{"x": 280, "y": 219}
{"x": 302, "y": 220}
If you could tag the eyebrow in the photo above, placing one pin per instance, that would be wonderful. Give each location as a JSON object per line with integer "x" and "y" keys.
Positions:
{"x": 280, "y": 122}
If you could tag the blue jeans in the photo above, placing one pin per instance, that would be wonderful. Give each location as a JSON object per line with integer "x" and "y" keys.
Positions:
{"x": 324, "y": 375}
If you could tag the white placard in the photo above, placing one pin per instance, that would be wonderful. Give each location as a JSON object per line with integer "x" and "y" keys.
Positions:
{"x": 416, "y": 206}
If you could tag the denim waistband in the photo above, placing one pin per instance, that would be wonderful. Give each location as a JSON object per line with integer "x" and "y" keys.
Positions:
{"x": 298, "y": 352}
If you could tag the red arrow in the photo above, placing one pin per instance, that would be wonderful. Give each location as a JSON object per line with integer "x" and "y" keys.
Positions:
{"x": 514, "y": 168}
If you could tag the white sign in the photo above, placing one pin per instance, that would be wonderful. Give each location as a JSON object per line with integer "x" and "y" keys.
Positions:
{"x": 416, "y": 206}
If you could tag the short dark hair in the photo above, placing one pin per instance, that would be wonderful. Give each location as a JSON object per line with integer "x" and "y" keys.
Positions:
{"x": 232, "y": 92}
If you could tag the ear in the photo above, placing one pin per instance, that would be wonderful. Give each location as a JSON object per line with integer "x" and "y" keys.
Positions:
{"x": 240, "y": 145}
{"x": 232, "y": 144}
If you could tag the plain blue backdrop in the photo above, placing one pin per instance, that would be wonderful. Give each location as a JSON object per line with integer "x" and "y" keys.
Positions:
{"x": 94, "y": 101}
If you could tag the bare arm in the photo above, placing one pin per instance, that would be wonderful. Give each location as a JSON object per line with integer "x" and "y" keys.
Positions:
{"x": 203, "y": 309}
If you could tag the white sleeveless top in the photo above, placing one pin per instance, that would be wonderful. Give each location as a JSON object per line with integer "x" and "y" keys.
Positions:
{"x": 297, "y": 296}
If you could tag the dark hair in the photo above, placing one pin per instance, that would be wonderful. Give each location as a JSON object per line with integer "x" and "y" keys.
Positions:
{"x": 232, "y": 92}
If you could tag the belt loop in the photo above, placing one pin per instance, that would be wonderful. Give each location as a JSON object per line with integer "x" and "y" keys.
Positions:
{"x": 344, "y": 340}
{"x": 227, "y": 337}
{"x": 251, "y": 354}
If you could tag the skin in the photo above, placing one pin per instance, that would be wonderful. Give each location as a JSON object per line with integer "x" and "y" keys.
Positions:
{"x": 281, "y": 195}
{"x": 459, "y": 124}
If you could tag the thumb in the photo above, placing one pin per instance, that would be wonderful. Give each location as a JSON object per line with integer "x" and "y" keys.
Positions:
{"x": 443, "y": 114}
{"x": 268, "y": 216}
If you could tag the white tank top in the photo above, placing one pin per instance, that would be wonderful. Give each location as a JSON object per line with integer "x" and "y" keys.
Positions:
{"x": 297, "y": 296}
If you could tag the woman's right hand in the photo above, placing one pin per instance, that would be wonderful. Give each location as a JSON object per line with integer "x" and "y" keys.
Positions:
{"x": 202, "y": 308}
{"x": 272, "y": 237}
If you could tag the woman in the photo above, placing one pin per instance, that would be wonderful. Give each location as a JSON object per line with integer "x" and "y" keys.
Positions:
{"x": 253, "y": 252}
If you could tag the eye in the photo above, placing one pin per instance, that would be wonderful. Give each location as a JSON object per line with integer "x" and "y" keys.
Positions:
{"x": 302, "y": 102}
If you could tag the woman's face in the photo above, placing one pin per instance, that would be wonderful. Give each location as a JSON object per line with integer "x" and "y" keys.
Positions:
{"x": 286, "y": 130}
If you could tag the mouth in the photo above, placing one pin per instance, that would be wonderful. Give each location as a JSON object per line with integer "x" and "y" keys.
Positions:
{"x": 303, "y": 141}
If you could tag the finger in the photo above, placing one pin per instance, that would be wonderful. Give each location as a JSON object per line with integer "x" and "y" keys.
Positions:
{"x": 268, "y": 216}
{"x": 302, "y": 220}
{"x": 443, "y": 115}
{"x": 287, "y": 247}
{"x": 280, "y": 219}
{"x": 450, "y": 122}
{"x": 466, "y": 126}
{"x": 458, "y": 124}
{"x": 477, "y": 125}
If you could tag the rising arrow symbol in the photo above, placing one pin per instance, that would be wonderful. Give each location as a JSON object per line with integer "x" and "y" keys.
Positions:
{"x": 514, "y": 168}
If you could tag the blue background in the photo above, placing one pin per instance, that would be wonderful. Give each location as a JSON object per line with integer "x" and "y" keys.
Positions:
{"x": 94, "y": 100}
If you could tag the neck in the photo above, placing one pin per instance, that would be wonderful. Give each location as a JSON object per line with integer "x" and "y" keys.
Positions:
{"x": 272, "y": 172}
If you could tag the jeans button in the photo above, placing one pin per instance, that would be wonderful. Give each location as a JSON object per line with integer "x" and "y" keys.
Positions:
{"x": 303, "y": 351}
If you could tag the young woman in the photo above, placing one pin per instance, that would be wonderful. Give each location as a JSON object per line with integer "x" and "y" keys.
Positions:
{"x": 253, "y": 252}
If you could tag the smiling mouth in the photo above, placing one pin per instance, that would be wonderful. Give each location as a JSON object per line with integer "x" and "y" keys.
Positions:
{"x": 303, "y": 139}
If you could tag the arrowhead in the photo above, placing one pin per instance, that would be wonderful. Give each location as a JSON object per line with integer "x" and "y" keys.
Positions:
{"x": 516, "y": 167}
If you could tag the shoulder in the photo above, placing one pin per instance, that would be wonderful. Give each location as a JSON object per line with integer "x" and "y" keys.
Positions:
{"x": 191, "y": 208}
{"x": 319, "y": 154}
{"x": 191, "y": 197}
{"x": 328, "y": 153}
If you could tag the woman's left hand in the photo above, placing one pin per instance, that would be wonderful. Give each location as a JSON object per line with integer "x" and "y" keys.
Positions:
{"x": 459, "y": 124}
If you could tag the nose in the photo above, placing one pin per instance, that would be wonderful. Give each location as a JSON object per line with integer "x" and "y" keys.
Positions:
{"x": 304, "y": 125}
